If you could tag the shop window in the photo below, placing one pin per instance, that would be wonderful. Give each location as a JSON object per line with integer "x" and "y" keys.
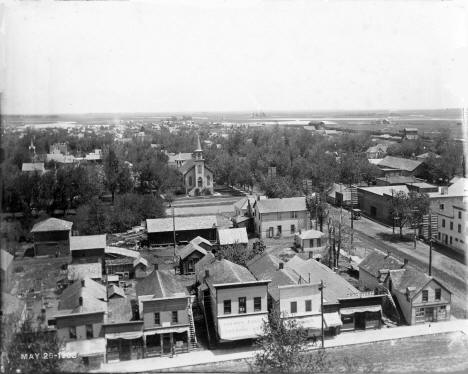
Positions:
{"x": 442, "y": 312}
{"x": 293, "y": 307}
{"x": 419, "y": 315}
{"x": 227, "y": 306}
{"x": 308, "y": 305}
{"x": 257, "y": 304}
{"x": 242, "y": 305}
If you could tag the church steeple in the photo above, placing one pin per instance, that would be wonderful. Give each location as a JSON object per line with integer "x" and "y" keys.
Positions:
{"x": 199, "y": 148}
{"x": 198, "y": 153}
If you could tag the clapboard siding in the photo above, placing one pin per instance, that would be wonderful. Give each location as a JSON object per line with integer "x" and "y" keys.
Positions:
{"x": 79, "y": 320}
{"x": 152, "y": 306}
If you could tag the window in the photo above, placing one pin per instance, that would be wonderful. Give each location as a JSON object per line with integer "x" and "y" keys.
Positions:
{"x": 442, "y": 312}
{"x": 157, "y": 319}
{"x": 293, "y": 229}
{"x": 441, "y": 206}
{"x": 72, "y": 332}
{"x": 459, "y": 215}
{"x": 208, "y": 180}
{"x": 293, "y": 214}
{"x": 419, "y": 314}
{"x": 443, "y": 222}
{"x": 257, "y": 304}
{"x": 242, "y": 305}
{"x": 319, "y": 242}
{"x": 293, "y": 307}
{"x": 270, "y": 232}
{"x": 89, "y": 332}
{"x": 451, "y": 225}
{"x": 227, "y": 306}
{"x": 438, "y": 293}
{"x": 308, "y": 305}
{"x": 438, "y": 235}
{"x": 459, "y": 228}
{"x": 425, "y": 296}
{"x": 175, "y": 317}
{"x": 450, "y": 240}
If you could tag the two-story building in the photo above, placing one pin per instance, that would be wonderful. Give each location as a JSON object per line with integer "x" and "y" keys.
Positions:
{"x": 233, "y": 301}
{"x": 280, "y": 217}
{"x": 52, "y": 237}
{"x": 165, "y": 306}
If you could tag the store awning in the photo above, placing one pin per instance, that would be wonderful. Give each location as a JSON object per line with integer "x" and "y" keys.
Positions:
{"x": 86, "y": 348}
{"x": 361, "y": 309}
{"x": 125, "y": 335}
{"x": 332, "y": 320}
{"x": 312, "y": 322}
{"x": 166, "y": 330}
{"x": 238, "y": 328}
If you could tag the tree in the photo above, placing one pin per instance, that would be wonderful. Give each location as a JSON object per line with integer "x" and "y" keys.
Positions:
{"x": 409, "y": 208}
{"x": 317, "y": 207}
{"x": 239, "y": 254}
{"x": 111, "y": 169}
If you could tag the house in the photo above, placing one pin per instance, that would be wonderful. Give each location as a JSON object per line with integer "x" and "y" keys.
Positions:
{"x": 88, "y": 248}
{"x": 198, "y": 178}
{"x": 311, "y": 241}
{"x": 60, "y": 158}
{"x": 33, "y": 167}
{"x": 448, "y": 205}
{"x": 6, "y": 266}
{"x": 125, "y": 263}
{"x": 243, "y": 207}
{"x": 391, "y": 166}
{"x": 235, "y": 236}
{"x": 377, "y": 151}
{"x": 341, "y": 194}
{"x": 233, "y": 301}
{"x": 421, "y": 297}
{"x": 410, "y": 133}
{"x": 161, "y": 230}
{"x": 280, "y": 217}
{"x": 52, "y": 237}
{"x": 192, "y": 253}
{"x": 79, "y": 319}
{"x": 165, "y": 306}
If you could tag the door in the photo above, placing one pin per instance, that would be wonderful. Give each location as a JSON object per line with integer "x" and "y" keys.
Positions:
{"x": 373, "y": 211}
{"x": 167, "y": 343}
{"x": 429, "y": 314}
{"x": 278, "y": 228}
{"x": 360, "y": 321}
{"x": 125, "y": 350}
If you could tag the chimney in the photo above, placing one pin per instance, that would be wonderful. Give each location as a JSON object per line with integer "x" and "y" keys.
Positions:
{"x": 80, "y": 301}
{"x": 207, "y": 273}
{"x": 281, "y": 265}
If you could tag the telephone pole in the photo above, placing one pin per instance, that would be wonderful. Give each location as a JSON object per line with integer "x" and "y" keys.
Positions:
{"x": 321, "y": 309}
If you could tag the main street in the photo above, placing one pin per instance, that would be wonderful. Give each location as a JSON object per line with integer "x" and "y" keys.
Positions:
{"x": 448, "y": 271}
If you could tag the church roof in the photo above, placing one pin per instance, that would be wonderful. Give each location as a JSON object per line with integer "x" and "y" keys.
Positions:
{"x": 199, "y": 148}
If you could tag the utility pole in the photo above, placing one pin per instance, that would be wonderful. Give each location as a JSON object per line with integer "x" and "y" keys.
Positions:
{"x": 321, "y": 309}
{"x": 173, "y": 230}
{"x": 316, "y": 211}
{"x": 430, "y": 243}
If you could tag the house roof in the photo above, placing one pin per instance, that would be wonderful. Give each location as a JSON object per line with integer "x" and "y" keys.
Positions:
{"x": 377, "y": 260}
{"x": 313, "y": 272}
{"x": 33, "y": 166}
{"x": 181, "y": 223}
{"x": 243, "y": 203}
{"x": 224, "y": 271}
{"x": 427, "y": 155}
{"x": 140, "y": 260}
{"x": 283, "y": 277}
{"x": 264, "y": 266}
{"x": 161, "y": 284}
{"x": 187, "y": 166}
{"x": 458, "y": 189}
{"x": 398, "y": 179}
{"x": 233, "y": 236}
{"x": 179, "y": 157}
{"x": 377, "y": 148}
{"x": 124, "y": 252}
{"x": 92, "y": 294}
{"x": 385, "y": 190}
{"x": 311, "y": 234}
{"x": 87, "y": 242}
{"x": 289, "y": 204}
{"x": 190, "y": 248}
{"x": 6, "y": 259}
{"x": 114, "y": 290}
{"x": 119, "y": 310}
{"x": 409, "y": 279}
{"x": 78, "y": 271}
{"x": 52, "y": 224}
{"x": 399, "y": 163}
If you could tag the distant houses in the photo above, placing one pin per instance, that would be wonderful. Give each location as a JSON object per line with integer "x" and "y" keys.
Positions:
{"x": 280, "y": 217}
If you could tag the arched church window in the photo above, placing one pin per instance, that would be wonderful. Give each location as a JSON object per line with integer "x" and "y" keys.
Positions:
{"x": 200, "y": 182}
{"x": 208, "y": 180}
{"x": 190, "y": 180}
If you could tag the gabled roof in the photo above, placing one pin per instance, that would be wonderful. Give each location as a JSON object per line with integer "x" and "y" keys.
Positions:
{"x": 87, "y": 242}
{"x": 377, "y": 260}
{"x": 410, "y": 279}
{"x": 289, "y": 204}
{"x": 224, "y": 271}
{"x": 244, "y": 202}
{"x": 6, "y": 259}
{"x": 233, "y": 236}
{"x": 161, "y": 284}
{"x": 92, "y": 294}
{"x": 264, "y": 266}
{"x": 52, "y": 224}
{"x": 190, "y": 248}
{"x": 399, "y": 163}
{"x": 140, "y": 260}
{"x": 114, "y": 290}
{"x": 181, "y": 223}
{"x": 385, "y": 190}
{"x": 398, "y": 179}
{"x": 30, "y": 166}
{"x": 186, "y": 166}
{"x": 124, "y": 252}
{"x": 78, "y": 271}
{"x": 311, "y": 234}
{"x": 283, "y": 277}
{"x": 119, "y": 310}
{"x": 179, "y": 157}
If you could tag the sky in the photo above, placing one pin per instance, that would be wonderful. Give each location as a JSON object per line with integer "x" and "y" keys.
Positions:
{"x": 187, "y": 56}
